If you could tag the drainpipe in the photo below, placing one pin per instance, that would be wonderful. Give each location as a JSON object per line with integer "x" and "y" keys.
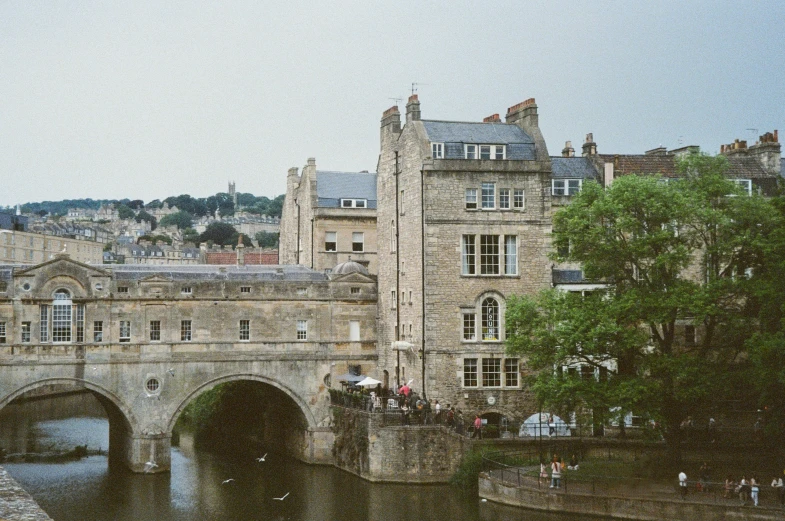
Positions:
{"x": 397, "y": 281}
{"x": 422, "y": 253}
{"x": 297, "y": 246}
{"x": 312, "y": 243}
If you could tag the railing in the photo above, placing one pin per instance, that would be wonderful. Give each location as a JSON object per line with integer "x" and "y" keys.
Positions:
{"x": 522, "y": 469}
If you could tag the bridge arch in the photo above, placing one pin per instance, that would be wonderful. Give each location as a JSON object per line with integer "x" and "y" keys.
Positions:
{"x": 206, "y": 386}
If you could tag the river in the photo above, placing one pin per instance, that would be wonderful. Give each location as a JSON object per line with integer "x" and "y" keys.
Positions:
{"x": 89, "y": 490}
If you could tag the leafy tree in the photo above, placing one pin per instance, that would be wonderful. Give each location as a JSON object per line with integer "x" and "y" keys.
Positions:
{"x": 180, "y": 219}
{"x": 124, "y": 212}
{"x": 219, "y": 233}
{"x": 670, "y": 254}
{"x": 154, "y": 204}
{"x": 267, "y": 239}
{"x": 191, "y": 235}
{"x": 144, "y": 216}
{"x": 155, "y": 239}
{"x": 136, "y": 204}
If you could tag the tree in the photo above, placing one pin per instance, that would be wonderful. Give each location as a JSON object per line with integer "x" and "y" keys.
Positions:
{"x": 190, "y": 235}
{"x": 180, "y": 219}
{"x": 136, "y": 204}
{"x": 267, "y": 239}
{"x": 673, "y": 256}
{"x": 220, "y": 233}
{"x": 124, "y": 212}
{"x": 144, "y": 216}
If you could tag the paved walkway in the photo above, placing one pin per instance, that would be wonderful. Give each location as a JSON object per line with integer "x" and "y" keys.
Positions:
{"x": 16, "y": 504}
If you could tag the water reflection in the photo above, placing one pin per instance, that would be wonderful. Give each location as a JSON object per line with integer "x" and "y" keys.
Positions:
{"x": 89, "y": 490}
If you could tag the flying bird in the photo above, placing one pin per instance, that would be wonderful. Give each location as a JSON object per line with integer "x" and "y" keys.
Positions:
{"x": 171, "y": 371}
{"x": 281, "y": 498}
{"x": 260, "y": 460}
{"x": 227, "y": 481}
{"x": 149, "y": 466}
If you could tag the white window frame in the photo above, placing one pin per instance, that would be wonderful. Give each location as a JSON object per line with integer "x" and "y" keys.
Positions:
{"x": 470, "y": 151}
{"x": 186, "y": 290}
{"x": 490, "y": 324}
{"x": 437, "y": 150}
{"x": 469, "y": 326}
{"x": 518, "y": 196}
{"x": 488, "y": 195}
{"x": 354, "y": 331}
{"x": 155, "y": 331}
{"x": 566, "y": 187}
{"x": 490, "y": 254}
{"x": 358, "y": 243}
{"x": 98, "y": 331}
{"x": 470, "y": 372}
{"x": 3, "y": 333}
{"x": 511, "y": 372}
{"x": 745, "y": 184}
{"x": 504, "y": 199}
{"x": 492, "y": 372}
{"x": 328, "y": 242}
{"x": 302, "y": 330}
{"x": 470, "y": 199}
{"x": 393, "y": 242}
{"x": 125, "y": 331}
{"x": 27, "y": 332}
{"x": 510, "y": 254}
{"x": 468, "y": 255}
{"x": 354, "y": 203}
{"x": 245, "y": 330}
{"x": 186, "y": 331}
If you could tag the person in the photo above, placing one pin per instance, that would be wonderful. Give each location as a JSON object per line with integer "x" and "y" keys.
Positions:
{"x": 450, "y": 416}
{"x": 754, "y": 489}
{"x": 437, "y": 415}
{"x": 683, "y": 484}
{"x": 426, "y": 412}
{"x": 779, "y": 488}
{"x": 743, "y": 489}
{"x": 573, "y": 463}
{"x": 712, "y": 431}
{"x": 406, "y": 411}
{"x": 555, "y": 472}
{"x": 705, "y": 477}
{"x": 543, "y": 473}
{"x": 551, "y": 426}
{"x": 729, "y": 486}
{"x": 477, "y": 427}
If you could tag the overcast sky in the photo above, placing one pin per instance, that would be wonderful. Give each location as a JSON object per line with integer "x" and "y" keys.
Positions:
{"x": 147, "y": 100}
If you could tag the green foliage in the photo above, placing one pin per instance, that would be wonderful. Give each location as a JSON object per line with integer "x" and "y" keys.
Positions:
{"x": 468, "y": 472}
{"x": 155, "y": 239}
{"x": 124, "y": 212}
{"x": 61, "y": 207}
{"x": 191, "y": 236}
{"x": 669, "y": 254}
{"x": 267, "y": 239}
{"x": 180, "y": 219}
{"x": 144, "y": 216}
{"x": 220, "y": 233}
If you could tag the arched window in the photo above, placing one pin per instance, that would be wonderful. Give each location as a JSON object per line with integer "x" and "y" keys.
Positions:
{"x": 490, "y": 319}
{"x": 61, "y": 316}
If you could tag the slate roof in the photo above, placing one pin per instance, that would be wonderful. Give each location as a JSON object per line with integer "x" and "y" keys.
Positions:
{"x": 454, "y": 134}
{"x": 213, "y": 272}
{"x": 573, "y": 167}
{"x": 740, "y": 166}
{"x": 331, "y": 187}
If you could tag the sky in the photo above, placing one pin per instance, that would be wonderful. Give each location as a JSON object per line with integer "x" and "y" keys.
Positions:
{"x": 145, "y": 100}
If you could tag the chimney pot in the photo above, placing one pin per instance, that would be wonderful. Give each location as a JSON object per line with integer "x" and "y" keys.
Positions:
{"x": 492, "y": 119}
{"x": 311, "y": 161}
{"x": 413, "y": 108}
{"x": 413, "y": 97}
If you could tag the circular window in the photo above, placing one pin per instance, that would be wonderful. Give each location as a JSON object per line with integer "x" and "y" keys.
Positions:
{"x": 153, "y": 385}
{"x": 26, "y": 286}
{"x": 99, "y": 286}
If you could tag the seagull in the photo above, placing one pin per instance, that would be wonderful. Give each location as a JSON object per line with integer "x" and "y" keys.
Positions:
{"x": 149, "y": 466}
{"x": 171, "y": 371}
{"x": 281, "y": 498}
{"x": 227, "y": 481}
{"x": 260, "y": 460}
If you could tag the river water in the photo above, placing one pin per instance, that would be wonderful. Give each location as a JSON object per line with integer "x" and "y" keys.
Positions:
{"x": 89, "y": 490}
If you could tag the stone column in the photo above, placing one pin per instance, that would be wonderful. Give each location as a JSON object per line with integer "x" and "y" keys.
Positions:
{"x": 143, "y": 448}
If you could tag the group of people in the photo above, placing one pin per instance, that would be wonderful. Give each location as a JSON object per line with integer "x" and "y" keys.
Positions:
{"x": 426, "y": 412}
{"x": 556, "y": 469}
{"x": 747, "y": 489}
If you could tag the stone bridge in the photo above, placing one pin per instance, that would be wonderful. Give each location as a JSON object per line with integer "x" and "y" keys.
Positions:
{"x": 147, "y": 340}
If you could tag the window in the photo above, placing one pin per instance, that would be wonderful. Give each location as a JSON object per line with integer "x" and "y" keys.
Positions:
{"x": 44, "y": 323}
{"x": 469, "y": 332}
{"x": 488, "y": 196}
{"x": 353, "y": 203}
{"x": 744, "y": 184}
{"x": 437, "y": 150}
{"x": 61, "y": 316}
{"x": 511, "y": 372}
{"x": 302, "y": 330}
{"x": 471, "y": 199}
{"x": 79, "y": 320}
{"x": 490, "y": 319}
{"x": 410, "y": 297}
{"x": 470, "y": 151}
{"x": 186, "y": 290}
{"x": 358, "y": 241}
{"x": 510, "y": 255}
{"x": 245, "y": 289}
{"x": 467, "y": 255}
{"x": 98, "y": 331}
{"x": 302, "y": 291}
{"x": 566, "y": 186}
{"x": 26, "y": 329}
{"x": 125, "y": 331}
{"x": 354, "y": 330}
{"x": 393, "y": 242}
{"x": 491, "y": 372}
{"x": 2, "y": 333}
{"x": 354, "y": 291}
{"x": 122, "y": 289}
{"x": 689, "y": 335}
{"x": 155, "y": 330}
{"x": 331, "y": 241}
{"x": 245, "y": 330}
{"x": 470, "y": 372}
{"x": 400, "y": 204}
{"x": 489, "y": 254}
{"x": 185, "y": 330}
{"x": 403, "y": 268}
{"x": 393, "y": 299}
{"x": 504, "y": 198}
{"x": 484, "y": 151}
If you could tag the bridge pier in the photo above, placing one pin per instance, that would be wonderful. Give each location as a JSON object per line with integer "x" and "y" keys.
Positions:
{"x": 141, "y": 448}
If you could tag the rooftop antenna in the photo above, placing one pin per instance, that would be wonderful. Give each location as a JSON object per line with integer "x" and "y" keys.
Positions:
{"x": 753, "y": 131}
{"x": 396, "y": 100}
{"x": 414, "y": 87}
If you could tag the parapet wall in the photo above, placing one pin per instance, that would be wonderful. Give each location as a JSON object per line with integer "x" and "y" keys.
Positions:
{"x": 15, "y": 503}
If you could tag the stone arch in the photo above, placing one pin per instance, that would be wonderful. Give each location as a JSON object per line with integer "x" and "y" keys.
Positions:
{"x": 206, "y": 386}
{"x": 104, "y": 394}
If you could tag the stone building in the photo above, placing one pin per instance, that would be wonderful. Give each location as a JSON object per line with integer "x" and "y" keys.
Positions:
{"x": 328, "y": 218}
{"x": 32, "y": 248}
{"x": 464, "y": 213}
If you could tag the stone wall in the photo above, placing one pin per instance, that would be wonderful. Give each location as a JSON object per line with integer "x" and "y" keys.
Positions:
{"x": 16, "y": 504}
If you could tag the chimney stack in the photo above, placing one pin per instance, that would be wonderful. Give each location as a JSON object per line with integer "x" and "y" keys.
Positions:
{"x": 589, "y": 147}
{"x": 524, "y": 115}
{"x": 767, "y": 152}
{"x": 568, "y": 151}
{"x": 391, "y": 124}
{"x": 240, "y": 251}
{"x": 494, "y": 118}
{"x": 413, "y": 109}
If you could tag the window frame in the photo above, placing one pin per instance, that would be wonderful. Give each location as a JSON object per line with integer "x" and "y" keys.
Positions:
{"x": 186, "y": 330}
{"x": 155, "y": 331}
{"x": 491, "y": 372}
{"x": 470, "y": 373}
{"x": 26, "y": 332}
{"x": 354, "y": 327}
{"x": 302, "y": 330}
{"x": 488, "y": 199}
{"x": 358, "y": 244}
{"x": 489, "y": 254}
{"x": 511, "y": 371}
{"x": 3, "y": 332}
{"x": 334, "y": 243}
{"x": 469, "y": 326}
{"x": 354, "y": 203}
{"x": 245, "y": 289}
{"x": 125, "y": 331}
{"x": 245, "y": 330}
{"x": 565, "y": 190}
{"x": 505, "y": 200}
{"x": 490, "y": 320}
{"x": 98, "y": 331}
{"x": 470, "y": 199}
{"x": 437, "y": 150}
{"x": 468, "y": 255}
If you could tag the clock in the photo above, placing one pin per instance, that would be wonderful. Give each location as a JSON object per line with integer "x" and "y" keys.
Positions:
{"x": 491, "y": 400}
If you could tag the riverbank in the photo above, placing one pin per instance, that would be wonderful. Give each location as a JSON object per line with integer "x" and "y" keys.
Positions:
{"x": 16, "y": 504}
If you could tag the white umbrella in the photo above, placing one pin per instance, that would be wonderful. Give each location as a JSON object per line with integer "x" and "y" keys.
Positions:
{"x": 368, "y": 382}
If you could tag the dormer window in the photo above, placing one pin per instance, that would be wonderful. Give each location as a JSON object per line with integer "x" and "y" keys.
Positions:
{"x": 437, "y": 150}
{"x": 566, "y": 186}
{"x": 354, "y": 203}
{"x": 485, "y": 151}
{"x": 744, "y": 184}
